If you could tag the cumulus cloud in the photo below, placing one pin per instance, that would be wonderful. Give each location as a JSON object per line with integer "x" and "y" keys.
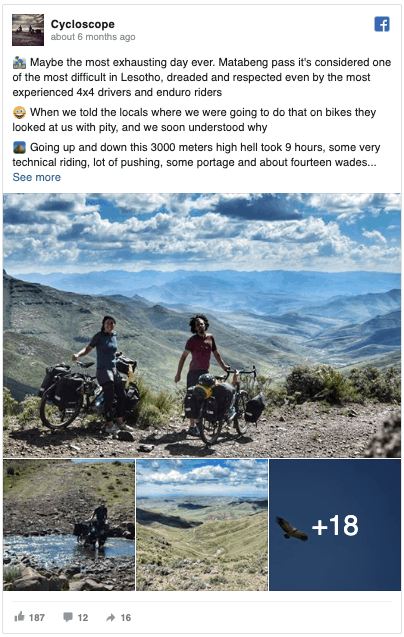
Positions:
{"x": 195, "y": 476}
{"x": 213, "y": 231}
{"x": 374, "y": 235}
{"x": 347, "y": 207}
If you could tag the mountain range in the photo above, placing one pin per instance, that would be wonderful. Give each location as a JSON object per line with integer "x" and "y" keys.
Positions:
{"x": 273, "y": 330}
{"x": 270, "y": 292}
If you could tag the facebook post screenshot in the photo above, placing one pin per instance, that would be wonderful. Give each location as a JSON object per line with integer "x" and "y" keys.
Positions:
{"x": 202, "y": 319}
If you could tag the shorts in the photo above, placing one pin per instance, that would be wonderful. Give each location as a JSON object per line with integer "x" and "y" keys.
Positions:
{"x": 193, "y": 376}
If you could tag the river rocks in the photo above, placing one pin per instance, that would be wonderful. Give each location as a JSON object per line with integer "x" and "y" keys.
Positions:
{"x": 30, "y": 580}
{"x": 91, "y": 574}
{"x": 70, "y": 571}
{"x": 60, "y": 583}
{"x": 89, "y": 585}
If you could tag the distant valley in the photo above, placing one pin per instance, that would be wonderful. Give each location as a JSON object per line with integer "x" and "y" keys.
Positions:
{"x": 274, "y": 320}
{"x": 202, "y": 543}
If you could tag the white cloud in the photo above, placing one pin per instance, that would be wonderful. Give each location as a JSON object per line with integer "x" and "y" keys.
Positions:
{"x": 233, "y": 476}
{"x": 67, "y": 231}
{"x": 374, "y": 234}
{"x": 349, "y": 206}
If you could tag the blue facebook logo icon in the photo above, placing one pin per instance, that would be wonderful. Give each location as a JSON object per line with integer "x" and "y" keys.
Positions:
{"x": 382, "y": 24}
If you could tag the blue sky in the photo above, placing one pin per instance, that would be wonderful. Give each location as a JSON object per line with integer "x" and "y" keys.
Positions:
{"x": 86, "y": 232}
{"x": 172, "y": 478}
{"x": 305, "y": 491}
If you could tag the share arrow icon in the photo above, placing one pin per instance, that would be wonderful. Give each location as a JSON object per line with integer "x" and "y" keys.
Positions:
{"x": 111, "y": 617}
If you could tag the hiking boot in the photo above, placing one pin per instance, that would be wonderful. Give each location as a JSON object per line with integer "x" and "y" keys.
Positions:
{"x": 111, "y": 429}
{"x": 124, "y": 427}
{"x": 193, "y": 431}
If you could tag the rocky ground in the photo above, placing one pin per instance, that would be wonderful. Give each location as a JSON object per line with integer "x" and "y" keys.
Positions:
{"x": 250, "y": 574}
{"x": 56, "y": 511}
{"x": 21, "y": 573}
{"x": 310, "y": 430}
{"x": 56, "y": 515}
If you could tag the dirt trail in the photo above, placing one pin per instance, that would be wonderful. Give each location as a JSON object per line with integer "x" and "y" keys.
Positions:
{"x": 306, "y": 431}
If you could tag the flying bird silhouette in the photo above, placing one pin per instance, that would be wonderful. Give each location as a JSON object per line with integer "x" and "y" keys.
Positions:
{"x": 291, "y": 531}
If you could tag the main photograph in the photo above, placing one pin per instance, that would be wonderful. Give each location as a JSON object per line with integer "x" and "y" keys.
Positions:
{"x": 202, "y": 325}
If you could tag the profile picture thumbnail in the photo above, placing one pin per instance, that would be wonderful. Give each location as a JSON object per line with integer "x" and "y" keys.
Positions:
{"x": 28, "y": 29}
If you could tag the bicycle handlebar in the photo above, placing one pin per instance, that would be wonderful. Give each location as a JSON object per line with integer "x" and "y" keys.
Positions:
{"x": 238, "y": 371}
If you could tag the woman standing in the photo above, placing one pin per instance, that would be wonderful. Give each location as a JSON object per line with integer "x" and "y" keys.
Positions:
{"x": 106, "y": 344}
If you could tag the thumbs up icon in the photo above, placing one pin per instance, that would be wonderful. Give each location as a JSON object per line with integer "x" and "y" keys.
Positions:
{"x": 20, "y": 617}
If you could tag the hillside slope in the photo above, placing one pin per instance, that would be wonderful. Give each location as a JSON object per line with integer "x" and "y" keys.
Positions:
{"x": 215, "y": 555}
{"x": 44, "y": 326}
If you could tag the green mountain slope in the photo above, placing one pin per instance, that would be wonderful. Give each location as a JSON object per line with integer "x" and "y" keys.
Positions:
{"x": 217, "y": 555}
{"x": 43, "y": 326}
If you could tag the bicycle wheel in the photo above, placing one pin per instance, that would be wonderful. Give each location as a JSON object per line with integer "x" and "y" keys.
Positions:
{"x": 209, "y": 431}
{"x": 239, "y": 419}
{"x": 54, "y": 417}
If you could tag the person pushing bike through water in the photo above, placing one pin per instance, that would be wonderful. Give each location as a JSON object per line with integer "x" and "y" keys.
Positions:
{"x": 107, "y": 375}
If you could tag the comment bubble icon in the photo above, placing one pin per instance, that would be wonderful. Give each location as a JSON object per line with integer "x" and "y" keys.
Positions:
{"x": 67, "y": 617}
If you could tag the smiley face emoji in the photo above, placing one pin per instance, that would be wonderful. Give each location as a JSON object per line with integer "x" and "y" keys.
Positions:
{"x": 19, "y": 112}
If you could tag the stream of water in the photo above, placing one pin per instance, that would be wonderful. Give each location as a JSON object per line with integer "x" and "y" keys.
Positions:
{"x": 55, "y": 551}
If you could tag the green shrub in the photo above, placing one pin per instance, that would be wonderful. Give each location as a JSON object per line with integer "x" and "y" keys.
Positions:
{"x": 324, "y": 382}
{"x": 218, "y": 579}
{"x": 150, "y": 416}
{"x": 164, "y": 401}
{"x": 152, "y": 408}
{"x": 29, "y": 410}
{"x": 9, "y": 403}
{"x": 335, "y": 384}
{"x": 11, "y": 573}
{"x": 275, "y": 396}
{"x": 304, "y": 380}
{"x": 374, "y": 384}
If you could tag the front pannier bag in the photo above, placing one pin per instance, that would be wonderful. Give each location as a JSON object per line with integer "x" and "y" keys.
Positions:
{"x": 254, "y": 408}
{"x": 192, "y": 404}
{"x": 224, "y": 394}
{"x": 67, "y": 390}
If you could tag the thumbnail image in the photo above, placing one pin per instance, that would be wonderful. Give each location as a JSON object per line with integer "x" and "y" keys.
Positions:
{"x": 69, "y": 525}
{"x": 19, "y": 62}
{"x": 28, "y": 29}
{"x": 19, "y": 148}
{"x": 202, "y": 525}
{"x": 328, "y": 521}
{"x": 301, "y": 292}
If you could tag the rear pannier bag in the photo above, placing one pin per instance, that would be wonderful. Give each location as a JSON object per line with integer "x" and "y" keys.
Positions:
{"x": 211, "y": 409}
{"x": 192, "y": 404}
{"x": 67, "y": 390}
{"x": 52, "y": 375}
{"x": 254, "y": 408}
{"x": 224, "y": 394}
{"x": 123, "y": 364}
{"x": 132, "y": 397}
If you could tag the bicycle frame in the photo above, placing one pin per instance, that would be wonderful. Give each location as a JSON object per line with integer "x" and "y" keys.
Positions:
{"x": 210, "y": 431}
